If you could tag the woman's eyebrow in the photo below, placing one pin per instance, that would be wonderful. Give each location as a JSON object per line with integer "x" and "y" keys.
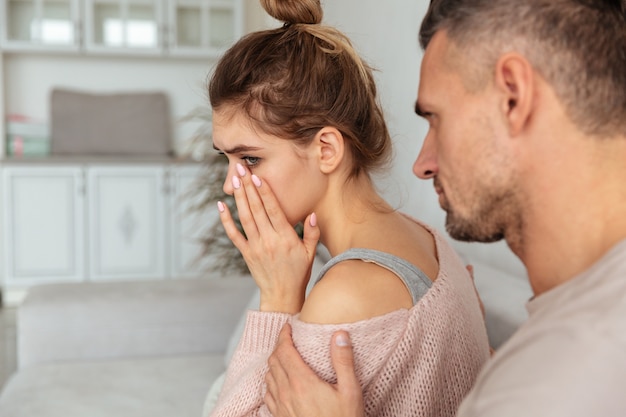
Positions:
{"x": 238, "y": 149}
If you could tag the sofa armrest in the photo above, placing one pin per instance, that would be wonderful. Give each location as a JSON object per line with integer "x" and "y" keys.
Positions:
{"x": 88, "y": 321}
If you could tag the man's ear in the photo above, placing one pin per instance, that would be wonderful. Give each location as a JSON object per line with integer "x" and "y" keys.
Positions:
{"x": 514, "y": 78}
{"x": 330, "y": 147}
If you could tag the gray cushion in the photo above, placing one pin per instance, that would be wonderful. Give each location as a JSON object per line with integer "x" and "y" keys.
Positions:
{"x": 110, "y": 124}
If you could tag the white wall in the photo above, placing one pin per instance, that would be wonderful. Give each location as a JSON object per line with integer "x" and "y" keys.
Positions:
{"x": 31, "y": 77}
{"x": 27, "y": 79}
{"x": 2, "y": 112}
{"x": 387, "y": 37}
{"x": 385, "y": 33}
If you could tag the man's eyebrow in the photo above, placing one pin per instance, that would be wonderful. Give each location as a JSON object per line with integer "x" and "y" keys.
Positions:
{"x": 237, "y": 149}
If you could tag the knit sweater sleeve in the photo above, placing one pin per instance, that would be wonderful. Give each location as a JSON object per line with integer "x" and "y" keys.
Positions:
{"x": 244, "y": 386}
{"x": 373, "y": 340}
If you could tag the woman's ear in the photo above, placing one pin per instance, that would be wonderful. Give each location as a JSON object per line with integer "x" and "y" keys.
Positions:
{"x": 514, "y": 78}
{"x": 330, "y": 147}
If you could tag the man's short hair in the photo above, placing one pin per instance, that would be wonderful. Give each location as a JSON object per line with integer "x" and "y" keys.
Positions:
{"x": 577, "y": 46}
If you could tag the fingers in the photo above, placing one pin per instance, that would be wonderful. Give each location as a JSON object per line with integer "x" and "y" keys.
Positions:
{"x": 230, "y": 227}
{"x": 277, "y": 380}
{"x": 277, "y": 375}
{"x": 283, "y": 354}
{"x": 259, "y": 210}
{"x": 286, "y": 364}
{"x": 343, "y": 361}
{"x": 311, "y": 234}
{"x": 271, "y": 394}
{"x": 244, "y": 196}
{"x": 293, "y": 389}
{"x": 275, "y": 213}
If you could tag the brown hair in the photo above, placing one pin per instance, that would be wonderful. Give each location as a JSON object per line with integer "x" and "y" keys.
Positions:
{"x": 295, "y": 80}
{"x": 578, "y": 46}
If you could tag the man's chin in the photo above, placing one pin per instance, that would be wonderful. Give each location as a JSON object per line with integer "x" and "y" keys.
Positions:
{"x": 471, "y": 231}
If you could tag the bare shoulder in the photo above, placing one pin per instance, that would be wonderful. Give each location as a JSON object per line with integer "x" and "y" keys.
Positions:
{"x": 355, "y": 290}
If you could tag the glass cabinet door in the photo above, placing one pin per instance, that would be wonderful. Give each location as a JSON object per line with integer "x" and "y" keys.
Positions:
{"x": 48, "y": 24}
{"x": 124, "y": 25}
{"x": 203, "y": 26}
{"x": 176, "y": 27}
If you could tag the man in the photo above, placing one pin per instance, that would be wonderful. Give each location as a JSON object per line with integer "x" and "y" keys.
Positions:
{"x": 526, "y": 102}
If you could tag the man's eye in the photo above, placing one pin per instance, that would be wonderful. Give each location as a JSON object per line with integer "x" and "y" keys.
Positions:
{"x": 251, "y": 160}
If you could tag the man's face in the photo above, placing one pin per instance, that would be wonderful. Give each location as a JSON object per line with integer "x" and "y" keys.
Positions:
{"x": 466, "y": 151}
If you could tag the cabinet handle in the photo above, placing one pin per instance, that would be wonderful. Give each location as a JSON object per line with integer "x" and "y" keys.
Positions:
{"x": 78, "y": 30}
{"x": 165, "y": 41}
{"x": 82, "y": 189}
{"x": 82, "y": 183}
{"x": 167, "y": 183}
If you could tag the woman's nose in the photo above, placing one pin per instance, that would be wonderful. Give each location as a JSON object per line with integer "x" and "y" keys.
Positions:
{"x": 228, "y": 181}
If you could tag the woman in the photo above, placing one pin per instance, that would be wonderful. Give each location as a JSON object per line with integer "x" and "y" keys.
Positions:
{"x": 296, "y": 113}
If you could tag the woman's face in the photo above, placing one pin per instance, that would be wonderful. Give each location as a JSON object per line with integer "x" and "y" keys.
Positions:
{"x": 291, "y": 172}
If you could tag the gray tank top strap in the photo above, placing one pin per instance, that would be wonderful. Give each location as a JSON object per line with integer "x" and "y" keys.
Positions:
{"x": 415, "y": 280}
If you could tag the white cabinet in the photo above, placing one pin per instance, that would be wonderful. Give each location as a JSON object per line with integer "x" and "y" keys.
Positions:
{"x": 187, "y": 224}
{"x": 126, "y": 207}
{"x": 138, "y": 27}
{"x": 43, "y": 225}
{"x": 90, "y": 222}
{"x": 52, "y": 25}
{"x": 203, "y": 27}
{"x": 135, "y": 26}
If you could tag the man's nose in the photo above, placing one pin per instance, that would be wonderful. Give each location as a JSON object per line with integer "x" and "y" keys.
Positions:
{"x": 425, "y": 166}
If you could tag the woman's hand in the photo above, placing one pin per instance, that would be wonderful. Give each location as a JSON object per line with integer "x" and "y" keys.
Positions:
{"x": 279, "y": 261}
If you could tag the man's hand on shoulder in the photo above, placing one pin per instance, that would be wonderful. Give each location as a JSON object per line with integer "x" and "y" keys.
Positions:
{"x": 294, "y": 390}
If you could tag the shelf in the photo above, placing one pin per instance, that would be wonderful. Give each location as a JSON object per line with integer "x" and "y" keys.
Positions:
{"x": 177, "y": 28}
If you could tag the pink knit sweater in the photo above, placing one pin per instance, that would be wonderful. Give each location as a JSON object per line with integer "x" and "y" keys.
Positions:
{"x": 417, "y": 362}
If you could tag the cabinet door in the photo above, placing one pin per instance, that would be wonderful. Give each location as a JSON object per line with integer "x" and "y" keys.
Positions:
{"x": 124, "y": 26}
{"x": 126, "y": 222}
{"x": 43, "y": 225}
{"x": 40, "y": 25}
{"x": 187, "y": 222}
{"x": 199, "y": 27}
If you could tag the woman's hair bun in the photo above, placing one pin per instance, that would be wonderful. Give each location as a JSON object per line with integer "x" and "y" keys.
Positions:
{"x": 294, "y": 11}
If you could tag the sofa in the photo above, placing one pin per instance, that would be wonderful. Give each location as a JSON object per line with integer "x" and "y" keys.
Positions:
{"x": 122, "y": 349}
{"x": 155, "y": 349}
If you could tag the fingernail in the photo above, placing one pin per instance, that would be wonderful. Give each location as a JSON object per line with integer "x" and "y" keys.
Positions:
{"x": 236, "y": 182}
{"x": 256, "y": 180}
{"x": 220, "y": 206}
{"x": 313, "y": 220}
{"x": 342, "y": 340}
{"x": 240, "y": 169}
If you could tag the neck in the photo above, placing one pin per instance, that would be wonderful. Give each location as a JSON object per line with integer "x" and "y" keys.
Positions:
{"x": 578, "y": 214}
{"x": 345, "y": 211}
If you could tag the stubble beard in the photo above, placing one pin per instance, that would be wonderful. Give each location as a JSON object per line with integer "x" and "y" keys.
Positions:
{"x": 487, "y": 220}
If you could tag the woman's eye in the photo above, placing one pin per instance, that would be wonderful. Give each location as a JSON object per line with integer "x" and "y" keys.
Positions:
{"x": 251, "y": 160}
